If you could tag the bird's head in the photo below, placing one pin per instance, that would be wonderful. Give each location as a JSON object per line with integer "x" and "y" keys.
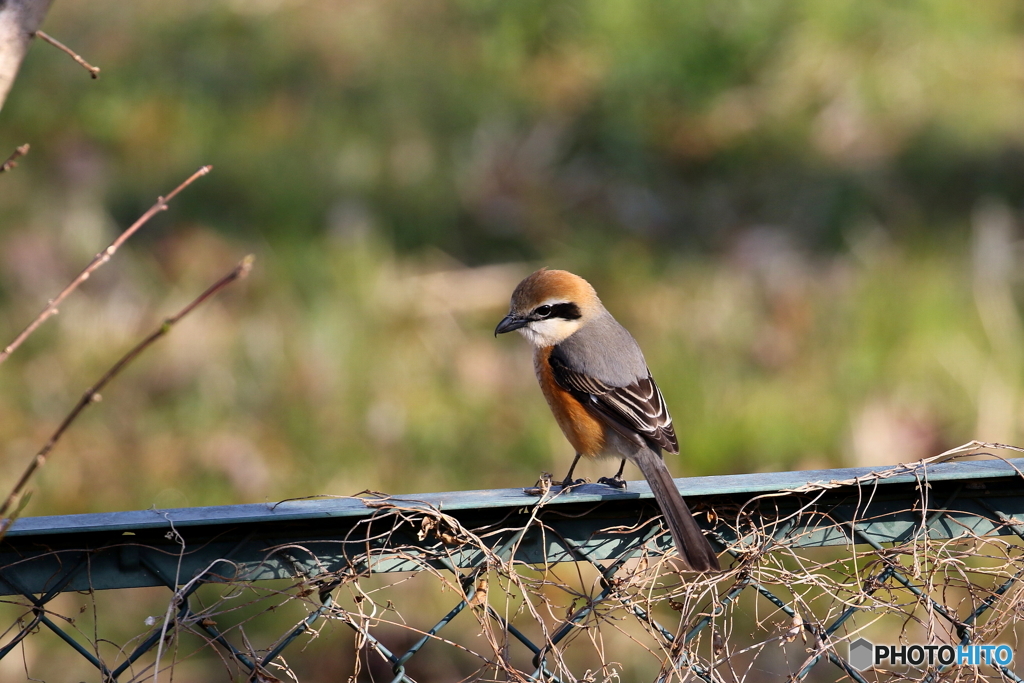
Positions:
{"x": 550, "y": 305}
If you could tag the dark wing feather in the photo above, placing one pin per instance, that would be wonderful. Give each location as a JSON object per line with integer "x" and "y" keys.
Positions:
{"x": 635, "y": 409}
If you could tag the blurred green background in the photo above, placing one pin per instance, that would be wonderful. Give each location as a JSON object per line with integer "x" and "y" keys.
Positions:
{"x": 806, "y": 212}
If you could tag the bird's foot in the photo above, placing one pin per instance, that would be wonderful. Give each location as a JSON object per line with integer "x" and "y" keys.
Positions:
{"x": 614, "y": 482}
{"x": 572, "y": 483}
{"x": 544, "y": 484}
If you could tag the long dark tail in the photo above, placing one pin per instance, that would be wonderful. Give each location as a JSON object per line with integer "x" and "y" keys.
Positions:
{"x": 693, "y": 547}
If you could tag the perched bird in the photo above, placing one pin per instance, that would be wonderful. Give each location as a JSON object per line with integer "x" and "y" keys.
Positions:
{"x": 598, "y": 386}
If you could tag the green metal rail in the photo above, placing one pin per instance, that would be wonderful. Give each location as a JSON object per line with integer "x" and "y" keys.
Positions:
{"x": 43, "y": 556}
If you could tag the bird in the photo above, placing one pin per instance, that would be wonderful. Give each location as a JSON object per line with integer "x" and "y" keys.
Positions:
{"x": 602, "y": 395}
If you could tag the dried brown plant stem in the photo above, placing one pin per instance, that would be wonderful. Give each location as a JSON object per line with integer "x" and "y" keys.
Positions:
{"x": 94, "y": 71}
{"x": 97, "y": 261}
{"x": 92, "y": 394}
{"x": 12, "y": 160}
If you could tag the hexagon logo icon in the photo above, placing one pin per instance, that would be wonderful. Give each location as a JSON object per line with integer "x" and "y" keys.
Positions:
{"x": 861, "y": 654}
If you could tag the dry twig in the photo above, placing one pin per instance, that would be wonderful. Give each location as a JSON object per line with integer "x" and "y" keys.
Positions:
{"x": 12, "y": 160}
{"x": 94, "y": 71}
{"x": 97, "y": 261}
{"x": 93, "y": 393}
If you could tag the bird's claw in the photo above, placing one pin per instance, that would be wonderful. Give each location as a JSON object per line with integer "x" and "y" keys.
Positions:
{"x": 614, "y": 482}
{"x": 571, "y": 484}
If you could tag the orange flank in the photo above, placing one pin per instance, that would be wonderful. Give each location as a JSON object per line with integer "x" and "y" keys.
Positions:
{"x": 583, "y": 430}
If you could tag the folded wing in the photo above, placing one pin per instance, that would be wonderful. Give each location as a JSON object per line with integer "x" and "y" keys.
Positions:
{"x": 635, "y": 409}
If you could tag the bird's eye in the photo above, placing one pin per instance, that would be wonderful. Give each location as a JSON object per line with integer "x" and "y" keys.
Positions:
{"x": 543, "y": 311}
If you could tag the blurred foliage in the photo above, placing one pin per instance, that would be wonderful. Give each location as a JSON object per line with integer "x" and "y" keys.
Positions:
{"x": 495, "y": 130}
{"x": 370, "y": 151}
{"x": 339, "y": 367}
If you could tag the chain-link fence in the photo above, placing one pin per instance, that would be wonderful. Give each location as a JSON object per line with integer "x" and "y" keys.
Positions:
{"x": 506, "y": 586}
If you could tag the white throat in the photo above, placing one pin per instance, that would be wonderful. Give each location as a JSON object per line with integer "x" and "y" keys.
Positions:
{"x": 544, "y": 333}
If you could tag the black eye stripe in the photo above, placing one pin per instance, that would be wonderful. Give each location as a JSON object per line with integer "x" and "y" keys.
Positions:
{"x": 566, "y": 311}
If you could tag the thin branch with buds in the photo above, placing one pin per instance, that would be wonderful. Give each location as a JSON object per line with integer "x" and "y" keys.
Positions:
{"x": 97, "y": 261}
{"x": 92, "y": 394}
{"x": 94, "y": 71}
{"x": 12, "y": 160}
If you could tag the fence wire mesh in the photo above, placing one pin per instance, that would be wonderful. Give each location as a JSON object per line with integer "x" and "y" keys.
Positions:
{"x": 571, "y": 586}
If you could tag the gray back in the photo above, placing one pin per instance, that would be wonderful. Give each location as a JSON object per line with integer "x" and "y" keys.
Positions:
{"x": 605, "y": 350}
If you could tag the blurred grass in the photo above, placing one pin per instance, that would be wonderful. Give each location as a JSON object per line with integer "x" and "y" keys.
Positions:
{"x": 340, "y": 366}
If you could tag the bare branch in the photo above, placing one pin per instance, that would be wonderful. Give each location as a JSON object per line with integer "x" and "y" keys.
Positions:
{"x": 12, "y": 160}
{"x": 94, "y": 71}
{"x": 97, "y": 261}
{"x": 92, "y": 394}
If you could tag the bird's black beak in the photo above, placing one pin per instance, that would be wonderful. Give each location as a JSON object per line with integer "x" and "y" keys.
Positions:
{"x": 509, "y": 323}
